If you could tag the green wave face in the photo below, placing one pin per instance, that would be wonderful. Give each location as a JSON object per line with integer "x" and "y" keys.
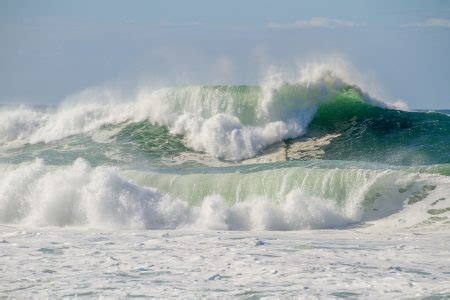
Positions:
{"x": 361, "y": 191}
{"x": 207, "y": 101}
{"x": 371, "y": 133}
{"x": 150, "y": 139}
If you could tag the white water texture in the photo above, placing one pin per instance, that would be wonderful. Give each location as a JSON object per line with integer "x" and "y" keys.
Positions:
{"x": 79, "y": 195}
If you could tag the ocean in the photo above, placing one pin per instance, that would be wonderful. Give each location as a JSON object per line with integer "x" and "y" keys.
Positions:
{"x": 311, "y": 189}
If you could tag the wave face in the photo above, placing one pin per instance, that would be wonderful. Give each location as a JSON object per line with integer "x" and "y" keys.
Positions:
{"x": 282, "y": 156}
{"x": 371, "y": 133}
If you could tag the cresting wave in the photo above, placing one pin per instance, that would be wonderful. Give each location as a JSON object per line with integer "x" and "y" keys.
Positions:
{"x": 231, "y": 123}
{"x": 296, "y": 198}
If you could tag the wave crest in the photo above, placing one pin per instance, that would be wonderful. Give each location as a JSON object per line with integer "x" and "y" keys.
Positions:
{"x": 228, "y": 122}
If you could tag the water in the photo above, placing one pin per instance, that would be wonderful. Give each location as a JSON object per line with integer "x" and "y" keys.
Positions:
{"x": 291, "y": 188}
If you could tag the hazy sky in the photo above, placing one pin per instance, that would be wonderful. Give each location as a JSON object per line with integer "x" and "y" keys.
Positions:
{"x": 50, "y": 49}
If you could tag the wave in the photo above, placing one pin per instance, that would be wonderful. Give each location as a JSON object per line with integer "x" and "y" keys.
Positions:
{"x": 234, "y": 123}
{"x": 228, "y": 122}
{"x": 288, "y": 198}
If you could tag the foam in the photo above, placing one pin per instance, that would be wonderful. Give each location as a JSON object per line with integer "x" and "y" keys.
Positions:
{"x": 296, "y": 212}
{"x": 78, "y": 195}
{"x": 20, "y": 123}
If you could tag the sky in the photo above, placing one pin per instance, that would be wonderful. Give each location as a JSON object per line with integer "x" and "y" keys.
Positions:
{"x": 52, "y": 49}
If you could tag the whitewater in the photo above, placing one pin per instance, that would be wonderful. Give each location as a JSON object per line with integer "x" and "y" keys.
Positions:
{"x": 308, "y": 186}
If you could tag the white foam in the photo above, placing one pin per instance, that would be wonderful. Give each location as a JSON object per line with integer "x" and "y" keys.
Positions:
{"x": 224, "y": 136}
{"x": 79, "y": 195}
{"x": 20, "y": 123}
{"x": 296, "y": 212}
{"x": 330, "y": 264}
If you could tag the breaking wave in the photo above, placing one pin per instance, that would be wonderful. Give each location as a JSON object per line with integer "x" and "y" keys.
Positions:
{"x": 227, "y": 122}
{"x": 297, "y": 198}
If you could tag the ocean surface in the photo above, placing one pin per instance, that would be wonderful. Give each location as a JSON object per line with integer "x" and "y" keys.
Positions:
{"x": 312, "y": 189}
